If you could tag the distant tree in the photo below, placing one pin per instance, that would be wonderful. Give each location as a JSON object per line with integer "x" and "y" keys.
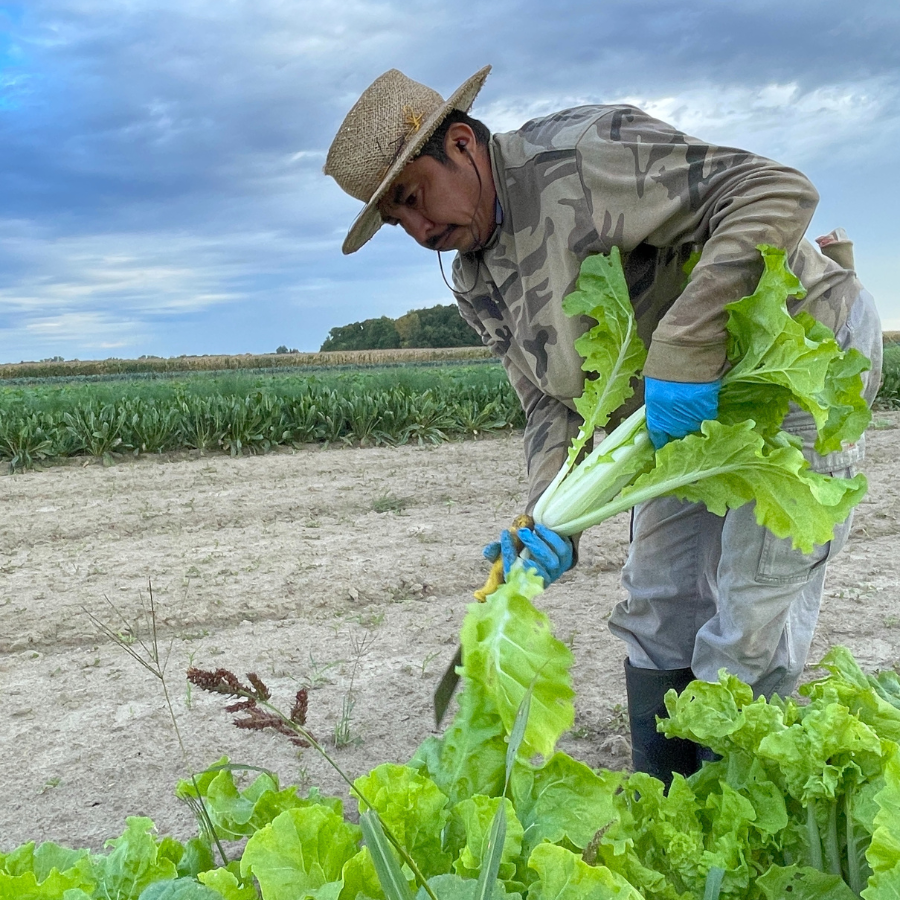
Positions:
{"x": 283, "y": 349}
{"x": 371, "y": 334}
{"x": 435, "y": 326}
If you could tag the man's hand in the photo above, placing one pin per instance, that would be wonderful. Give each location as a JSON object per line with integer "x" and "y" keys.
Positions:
{"x": 550, "y": 554}
{"x": 675, "y": 409}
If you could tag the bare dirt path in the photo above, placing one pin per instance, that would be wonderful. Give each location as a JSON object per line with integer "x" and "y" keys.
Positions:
{"x": 347, "y": 570}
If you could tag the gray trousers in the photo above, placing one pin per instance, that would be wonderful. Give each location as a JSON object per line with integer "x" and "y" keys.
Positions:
{"x": 707, "y": 592}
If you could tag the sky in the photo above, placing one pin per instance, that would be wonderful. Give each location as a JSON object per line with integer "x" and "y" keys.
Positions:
{"x": 161, "y": 186}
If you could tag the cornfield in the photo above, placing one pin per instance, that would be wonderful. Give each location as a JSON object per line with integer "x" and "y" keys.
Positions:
{"x": 271, "y": 361}
{"x": 241, "y": 414}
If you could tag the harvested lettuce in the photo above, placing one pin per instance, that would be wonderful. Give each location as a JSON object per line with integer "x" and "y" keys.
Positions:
{"x": 775, "y": 360}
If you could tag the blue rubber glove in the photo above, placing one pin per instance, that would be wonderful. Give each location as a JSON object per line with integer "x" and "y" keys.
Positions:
{"x": 675, "y": 409}
{"x": 551, "y": 554}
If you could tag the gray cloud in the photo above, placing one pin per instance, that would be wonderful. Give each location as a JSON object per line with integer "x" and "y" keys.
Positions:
{"x": 160, "y": 162}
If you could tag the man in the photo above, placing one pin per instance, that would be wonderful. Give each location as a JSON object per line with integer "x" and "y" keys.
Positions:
{"x": 522, "y": 210}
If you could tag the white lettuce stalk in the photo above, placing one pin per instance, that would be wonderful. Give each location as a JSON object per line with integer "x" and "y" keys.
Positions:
{"x": 775, "y": 360}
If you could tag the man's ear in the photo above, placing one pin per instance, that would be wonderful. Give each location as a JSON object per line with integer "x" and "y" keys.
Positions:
{"x": 460, "y": 139}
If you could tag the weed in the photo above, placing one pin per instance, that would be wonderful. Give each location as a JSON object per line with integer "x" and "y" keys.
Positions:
{"x": 318, "y": 673}
{"x": 429, "y": 659}
{"x": 342, "y": 735}
{"x": 618, "y": 720}
{"x": 51, "y": 783}
{"x": 342, "y": 729}
{"x": 369, "y": 619}
{"x": 146, "y": 653}
{"x": 390, "y": 503}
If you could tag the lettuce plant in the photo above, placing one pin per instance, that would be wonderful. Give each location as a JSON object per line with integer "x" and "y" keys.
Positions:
{"x": 775, "y": 360}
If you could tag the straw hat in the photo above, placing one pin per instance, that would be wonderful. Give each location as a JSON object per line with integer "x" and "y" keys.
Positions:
{"x": 387, "y": 127}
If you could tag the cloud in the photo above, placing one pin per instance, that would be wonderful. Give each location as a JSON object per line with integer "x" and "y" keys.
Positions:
{"x": 160, "y": 160}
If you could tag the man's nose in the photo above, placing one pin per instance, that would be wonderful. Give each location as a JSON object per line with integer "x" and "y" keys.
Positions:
{"x": 417, "y": 226}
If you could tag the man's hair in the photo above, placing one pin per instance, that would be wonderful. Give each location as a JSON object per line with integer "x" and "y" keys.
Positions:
{"x": 434, "y": 146}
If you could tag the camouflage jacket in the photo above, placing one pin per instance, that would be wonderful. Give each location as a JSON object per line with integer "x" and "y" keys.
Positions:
{"x": 587, "y": 179}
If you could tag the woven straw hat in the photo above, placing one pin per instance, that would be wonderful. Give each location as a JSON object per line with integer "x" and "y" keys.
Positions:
{"x": 387, "y": 127}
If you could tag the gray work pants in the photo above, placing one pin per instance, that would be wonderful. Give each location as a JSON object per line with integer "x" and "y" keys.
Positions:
{"x": 707, "y": 592}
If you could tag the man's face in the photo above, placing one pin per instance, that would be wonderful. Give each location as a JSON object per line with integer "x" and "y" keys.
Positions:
{"x": 442, "y": 206}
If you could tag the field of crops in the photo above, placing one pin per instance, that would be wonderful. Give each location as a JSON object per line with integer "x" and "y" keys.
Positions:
{"x": 256, "y": 411}
{"x": 252, "y": 412}
{"x": 802, "y": 802}
{"x": 178, "y": 365}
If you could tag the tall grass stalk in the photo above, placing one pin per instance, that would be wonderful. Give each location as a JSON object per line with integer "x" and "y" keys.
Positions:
{"x": 146, "y": 653}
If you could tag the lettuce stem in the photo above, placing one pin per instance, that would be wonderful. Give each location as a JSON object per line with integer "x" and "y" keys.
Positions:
{"x": 854, "y": 876}
{"x": 815, "y": 841}
{"x": 832, "y": 850}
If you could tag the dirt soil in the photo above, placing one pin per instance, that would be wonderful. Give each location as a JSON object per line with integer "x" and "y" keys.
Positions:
{"x": 347, "y": 570}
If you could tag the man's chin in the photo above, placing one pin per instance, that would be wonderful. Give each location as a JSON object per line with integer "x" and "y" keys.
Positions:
{"x": 457, "y": 238}
{"x": 461, "y": 240}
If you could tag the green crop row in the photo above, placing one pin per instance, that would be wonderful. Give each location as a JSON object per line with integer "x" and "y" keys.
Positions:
{"x": 252, "y": 415}
{"x": 242, "y": 412}
{"x": 889, "y": 395}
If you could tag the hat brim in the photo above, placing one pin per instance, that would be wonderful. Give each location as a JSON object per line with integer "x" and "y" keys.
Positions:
{"x": 369, "y": 220}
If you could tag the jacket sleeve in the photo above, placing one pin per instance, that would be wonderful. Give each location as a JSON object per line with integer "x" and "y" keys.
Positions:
{"x": 550, "y": 427}
{"x": 649, "y": 183}
{"x": 549, "y": 424}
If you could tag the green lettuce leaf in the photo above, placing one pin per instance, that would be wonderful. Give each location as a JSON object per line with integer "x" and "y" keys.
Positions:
{"x": 847, "y": 414}
{"x": 743, "y": 457}
{"x": 563, "y": 800}
{"x": 884, "y": 850}
{"x": 42, "y": 859}
{"x": 470, "y": 828}
{"x": 453, "y": 887}
{"x": 825, "y": 754}
{"x": 883, "y": 886}
{"x": 802, "y": 883}
{"x": 133, "y": 863}
{"x": 779, "y": 358}
{"x": 237, "y": 813}
{"x": 180, "y": 889}
{"x": 868, "y": 697}
{"x": 508, "y": 646}
{"x": 301, "y": 854}
{"x": 611, "y": 348}
{"x": 413, "y": 808}
{"x": 54, "y": 885}
{"x": 470, "y": 758}
{"x": 360, "y": 878}
{"x": 725, "y": 467}
{"x": 227, "y": 883}
{"x": 722, "y": 715}
{"x": 563, "y": 875}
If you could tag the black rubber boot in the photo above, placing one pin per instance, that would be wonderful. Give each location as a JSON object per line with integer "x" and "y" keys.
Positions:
{"x": 652, "y": 752}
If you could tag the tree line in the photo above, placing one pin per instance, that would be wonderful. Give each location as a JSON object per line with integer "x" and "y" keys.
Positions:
{"x": 435, "y": 326}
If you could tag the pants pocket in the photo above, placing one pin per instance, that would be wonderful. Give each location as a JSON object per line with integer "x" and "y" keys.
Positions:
{"x": 780, "y": 563}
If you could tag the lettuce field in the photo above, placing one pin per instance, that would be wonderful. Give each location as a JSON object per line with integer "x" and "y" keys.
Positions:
{"x": 341, "y": 570}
